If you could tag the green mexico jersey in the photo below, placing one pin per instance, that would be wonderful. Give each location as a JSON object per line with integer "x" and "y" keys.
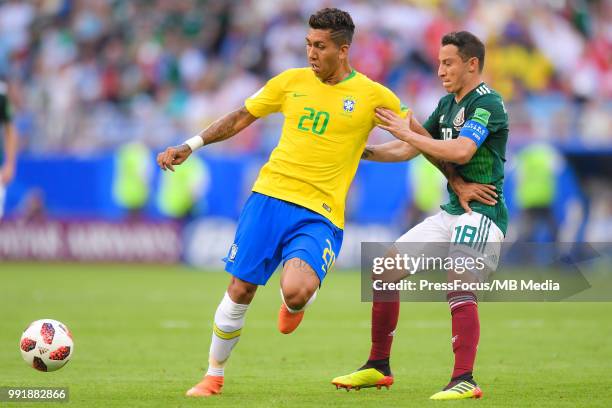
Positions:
{"x": 481, "y": 107}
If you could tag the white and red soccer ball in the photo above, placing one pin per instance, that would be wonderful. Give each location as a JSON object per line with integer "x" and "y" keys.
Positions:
{"x": 46, "y": 345}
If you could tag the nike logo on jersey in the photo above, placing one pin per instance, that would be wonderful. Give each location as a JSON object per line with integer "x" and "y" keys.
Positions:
{"x": 297, "y": 95}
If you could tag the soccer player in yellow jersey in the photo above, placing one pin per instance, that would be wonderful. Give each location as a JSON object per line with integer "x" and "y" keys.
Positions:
{"x": 295, "y": 214}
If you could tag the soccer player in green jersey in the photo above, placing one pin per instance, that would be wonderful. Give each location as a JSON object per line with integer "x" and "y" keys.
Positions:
{"x": 295, "y": 216}
{"x": 8, "y": 148}
{"x": 469, "y": 130}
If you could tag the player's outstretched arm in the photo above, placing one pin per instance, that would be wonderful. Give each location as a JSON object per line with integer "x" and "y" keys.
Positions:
{"x": 396, "y": 150}
{"x": 393, "y": 151}
{"x": 221, "y": 129}
{"x": 458, "y": 150}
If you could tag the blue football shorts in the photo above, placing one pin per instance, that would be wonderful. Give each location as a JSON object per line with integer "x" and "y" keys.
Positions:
{"x": 272, "y": 230}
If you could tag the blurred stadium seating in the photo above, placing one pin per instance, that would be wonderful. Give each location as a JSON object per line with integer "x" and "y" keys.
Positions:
{"x": 88, "y": 76}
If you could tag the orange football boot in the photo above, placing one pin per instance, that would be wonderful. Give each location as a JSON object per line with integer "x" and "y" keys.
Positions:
{"x": 210, "y": 385}
{"x": 287, "y": 321}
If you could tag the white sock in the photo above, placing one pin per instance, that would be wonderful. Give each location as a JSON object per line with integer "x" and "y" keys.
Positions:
{"x": 217, "y": 372}
{"x": 312, "y": 299}
{"x": 229, "y": 320}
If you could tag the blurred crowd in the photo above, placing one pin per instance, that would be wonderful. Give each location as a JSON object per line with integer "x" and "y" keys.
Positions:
{"x": 88, "y": 75}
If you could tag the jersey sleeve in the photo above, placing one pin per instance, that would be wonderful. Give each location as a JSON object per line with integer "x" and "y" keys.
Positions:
{"x": 432, "y": 124}
{"x": 488, "y": 115}
{"x": 269, "y": 98}
{"x": 387, "y": 99}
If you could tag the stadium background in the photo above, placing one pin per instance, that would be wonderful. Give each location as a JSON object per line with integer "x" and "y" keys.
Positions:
{"x": 99, "y": 87}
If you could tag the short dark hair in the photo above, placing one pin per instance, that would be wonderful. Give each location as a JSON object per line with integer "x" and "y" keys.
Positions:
{"x": 339, "y": 22}
{"x": 468, "y": 44}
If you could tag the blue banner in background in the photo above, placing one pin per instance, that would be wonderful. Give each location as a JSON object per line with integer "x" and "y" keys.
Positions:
{"x": 82, "y": 188}
{"x": 380, "y": 193}
{"x": 70, "y": 187}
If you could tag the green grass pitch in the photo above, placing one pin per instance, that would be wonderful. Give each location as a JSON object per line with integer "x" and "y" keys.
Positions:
{"x": 142, "y": 335}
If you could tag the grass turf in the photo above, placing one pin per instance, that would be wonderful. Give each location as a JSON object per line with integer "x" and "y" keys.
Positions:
{"x": 142, "y": 335}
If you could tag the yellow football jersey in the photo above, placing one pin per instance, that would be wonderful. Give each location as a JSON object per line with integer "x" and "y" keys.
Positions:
{"x": 324, "y": 133}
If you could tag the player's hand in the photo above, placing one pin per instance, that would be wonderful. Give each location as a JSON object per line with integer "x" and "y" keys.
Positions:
{"x": 466, "y": 192}
{"x": 173, "y": 156}
{"x": 394, "y": 124}
{"x": 7, "y": 172}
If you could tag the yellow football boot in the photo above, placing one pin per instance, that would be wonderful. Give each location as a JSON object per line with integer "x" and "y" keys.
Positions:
{"x": 366, "y": 378}
{"x": 461, "y": 390}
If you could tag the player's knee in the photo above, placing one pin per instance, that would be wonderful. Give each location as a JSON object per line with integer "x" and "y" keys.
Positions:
{"x": 240, "y": 291}
{"x": 296, "y": 297}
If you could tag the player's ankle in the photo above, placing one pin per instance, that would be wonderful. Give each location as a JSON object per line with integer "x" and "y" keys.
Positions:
{"x": 378, "y": 361}
{"x": 381, "y": 365}
{"x": 215, "y": 371}
{"x": 467, "y": 376}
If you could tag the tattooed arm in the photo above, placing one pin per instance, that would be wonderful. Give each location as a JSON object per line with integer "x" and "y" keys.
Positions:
{"x": 227, "y": 126}
{"x": 398, "y": 150}
{"x": 393, "y": 151}
{"x": 221, "y": 129}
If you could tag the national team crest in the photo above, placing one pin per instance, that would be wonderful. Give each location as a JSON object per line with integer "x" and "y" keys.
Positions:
{"x": 348, "y": 104}
{"x": 233, "y": 251}
{"x": 459, "y": 119}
